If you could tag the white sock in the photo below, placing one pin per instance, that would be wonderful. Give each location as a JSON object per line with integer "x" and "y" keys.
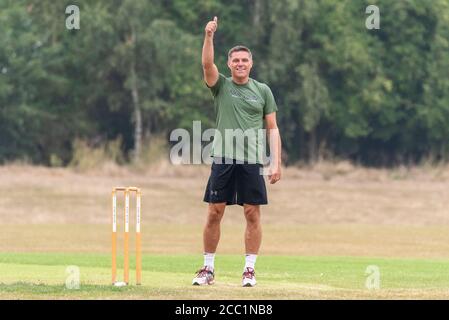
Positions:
{"x": 250, "y": 261}
{"x": 209, "y": 260}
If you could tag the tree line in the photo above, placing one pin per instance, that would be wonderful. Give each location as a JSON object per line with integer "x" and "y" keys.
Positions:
{"x": 133, "y": 71}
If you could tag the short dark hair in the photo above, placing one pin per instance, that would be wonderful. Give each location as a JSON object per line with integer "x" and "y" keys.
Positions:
{"x": 239, "y": 48}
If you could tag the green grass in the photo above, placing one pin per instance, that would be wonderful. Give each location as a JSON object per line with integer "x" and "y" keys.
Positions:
{"x": 42, "y": 276}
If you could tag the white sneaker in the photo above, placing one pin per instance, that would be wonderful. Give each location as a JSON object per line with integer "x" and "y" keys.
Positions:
{"x": 205, "y": 276}
{"x": 249, "y": 278}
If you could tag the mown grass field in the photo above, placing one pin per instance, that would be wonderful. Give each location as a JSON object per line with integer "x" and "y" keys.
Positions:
{"x": 43, "y": 276}
{"x": 322, "y": 229}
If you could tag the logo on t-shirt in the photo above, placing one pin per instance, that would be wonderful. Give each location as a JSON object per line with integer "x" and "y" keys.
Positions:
{"x": 237, "y": 94}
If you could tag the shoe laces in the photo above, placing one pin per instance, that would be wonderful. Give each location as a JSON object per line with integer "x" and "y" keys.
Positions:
{"x": 203, "y": 272}
{"x": 249, "y": 273}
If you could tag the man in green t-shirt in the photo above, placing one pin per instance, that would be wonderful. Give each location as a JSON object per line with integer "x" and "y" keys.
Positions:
{"x": 244, "y": 108}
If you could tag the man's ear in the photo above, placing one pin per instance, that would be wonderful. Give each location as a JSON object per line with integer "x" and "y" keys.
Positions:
{"x": 251, "y": 63}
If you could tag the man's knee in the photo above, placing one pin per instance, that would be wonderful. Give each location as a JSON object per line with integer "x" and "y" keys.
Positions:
{"x": 252, "y": 214}
{"x": 216, "y": 212}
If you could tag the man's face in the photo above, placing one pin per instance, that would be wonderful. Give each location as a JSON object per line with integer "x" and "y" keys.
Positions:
{"x": 240, "y": 64}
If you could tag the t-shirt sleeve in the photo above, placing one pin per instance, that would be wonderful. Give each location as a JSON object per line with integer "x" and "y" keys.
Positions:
{"x": 216, "y": 88}
{"x": 270, "y": 102}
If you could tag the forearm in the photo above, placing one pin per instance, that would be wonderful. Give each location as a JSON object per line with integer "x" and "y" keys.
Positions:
{"x": 274, "y": 139}
{"x": 208, "y": 52}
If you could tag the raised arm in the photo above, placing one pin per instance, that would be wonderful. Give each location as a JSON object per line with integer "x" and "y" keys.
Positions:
{"x": 210, "y": 70}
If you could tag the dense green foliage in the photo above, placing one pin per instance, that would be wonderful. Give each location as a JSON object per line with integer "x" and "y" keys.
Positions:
{"x": 133, "y": 70}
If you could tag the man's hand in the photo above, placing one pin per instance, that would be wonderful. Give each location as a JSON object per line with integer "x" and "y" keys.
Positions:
{"x": 211, "y": 27}
{"x": 274, "y": 174}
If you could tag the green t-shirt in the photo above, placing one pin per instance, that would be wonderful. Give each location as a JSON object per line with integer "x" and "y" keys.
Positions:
{"x": 240, "y": 119}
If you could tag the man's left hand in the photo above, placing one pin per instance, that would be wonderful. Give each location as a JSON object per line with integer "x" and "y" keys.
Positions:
{"x": 275, "y": 174}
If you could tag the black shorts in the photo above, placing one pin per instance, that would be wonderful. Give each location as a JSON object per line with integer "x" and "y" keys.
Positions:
{"x": 236, "y": 183}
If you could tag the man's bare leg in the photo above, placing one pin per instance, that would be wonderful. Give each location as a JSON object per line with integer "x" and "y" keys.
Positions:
{"x": 211, "y": 233}
{"x": 253, "y": 239}
{"x": 253, "y": 233}
{"x": 211, "y": 236}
